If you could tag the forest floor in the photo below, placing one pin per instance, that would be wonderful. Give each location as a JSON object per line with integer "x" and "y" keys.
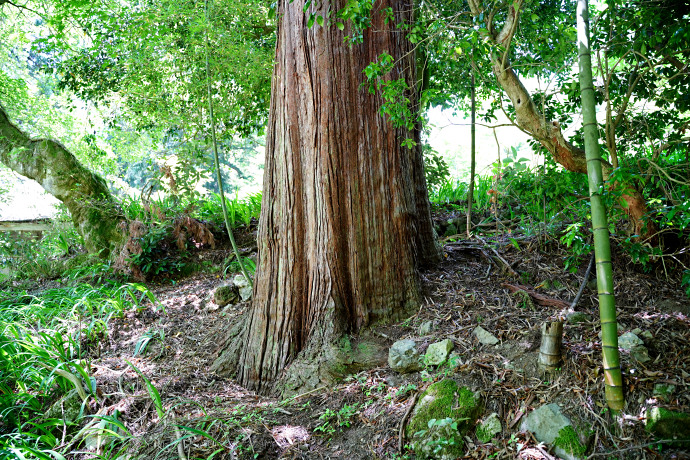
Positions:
{"x": 360, "y": 418}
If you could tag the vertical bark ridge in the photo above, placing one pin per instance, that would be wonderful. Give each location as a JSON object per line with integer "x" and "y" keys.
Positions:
{"x": 344, "y": 209}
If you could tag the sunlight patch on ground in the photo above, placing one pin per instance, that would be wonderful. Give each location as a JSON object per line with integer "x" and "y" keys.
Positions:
{"x": 287, "y": 435}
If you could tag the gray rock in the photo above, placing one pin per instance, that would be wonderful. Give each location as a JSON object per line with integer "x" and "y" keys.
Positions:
{"x": 490, "y": 427}
{"x": 454, "y": 359}
{"x": 640, "y": 354}
{"x": 403, "y": 357}
{"x": 67, "y": 408}
{"x": 438, "y": 352}
{"x": 425, "y": 327}
{"x": 546, "y": 422}
{"x": 577, "y": 317}
{"x": 671, "y": 306}
{"x": 244, "y": 287}
{"x": 485, "y": 336}
{"x": 226, "y": 294}
{"x": 664, "y": 390}
{"x": 394, "y": 380}
{"x": 628, "y": 341}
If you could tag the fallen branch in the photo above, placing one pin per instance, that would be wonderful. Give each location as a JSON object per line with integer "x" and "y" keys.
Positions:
{"x": 180, "y": 447}
{"x": 505, "y": 263}
{"x": 538, "y": 298}
{"x": 584, "y": 283}
{"x": 401, "y": 430}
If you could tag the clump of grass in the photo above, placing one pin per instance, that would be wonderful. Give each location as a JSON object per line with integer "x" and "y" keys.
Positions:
{"x": 45, "y": 344}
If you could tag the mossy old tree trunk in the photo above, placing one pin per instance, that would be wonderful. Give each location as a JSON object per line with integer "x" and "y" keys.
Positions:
{"x": 345, "y": 215}
{"x": 94, "y": 212}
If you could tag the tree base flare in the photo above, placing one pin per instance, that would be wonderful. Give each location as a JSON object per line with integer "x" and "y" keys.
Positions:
{"x": 327, "y": 359}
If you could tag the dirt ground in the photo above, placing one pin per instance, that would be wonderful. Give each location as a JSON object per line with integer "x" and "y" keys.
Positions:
{"x": 361, "y": 417}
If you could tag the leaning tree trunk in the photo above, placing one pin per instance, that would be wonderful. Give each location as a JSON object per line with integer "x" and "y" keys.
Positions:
{"x": 345, "y": 213}
{"x": 95, "y": 213}
{"x": 548, "y": 133}
{"x": 600, "y": 227}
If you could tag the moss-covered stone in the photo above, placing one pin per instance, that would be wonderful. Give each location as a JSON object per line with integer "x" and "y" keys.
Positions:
{"x": 666, "y": 424}
{"x": 451, "y": 230}
{"x": 438, "y": 352}
{"x": 225, "y": 295}
{"x": 68, "y": 408}
{"x": 444, "y": 414}
{"x": 489, "y": 428}
{"x": 569, "y": 441}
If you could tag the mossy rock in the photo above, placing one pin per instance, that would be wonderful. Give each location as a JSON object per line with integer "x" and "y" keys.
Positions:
{"x": 226, "y": 294}
{"x": 353, "y": 355}
{"x": 569, "y": 443}
{"x": 444, "y": 413}
{"x": 451, "y": 230}
{"x": 68, "y": 408}
{"x": 666, "y": 424}
{"x": 489, "y": 428}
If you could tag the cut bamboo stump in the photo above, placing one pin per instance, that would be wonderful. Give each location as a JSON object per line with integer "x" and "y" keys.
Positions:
{"x": 550, "y": 357}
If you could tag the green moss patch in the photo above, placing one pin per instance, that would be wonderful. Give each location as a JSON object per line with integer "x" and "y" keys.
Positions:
{"x": 569, "y": 441}
{"x": 444, "y": 413}
{"x": 666, "y": 424}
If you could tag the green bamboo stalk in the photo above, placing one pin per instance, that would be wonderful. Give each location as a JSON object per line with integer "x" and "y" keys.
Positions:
{"x": 470, "y": 191}
{"x": 613, "y": 379}
{"x": 216, "y": 161}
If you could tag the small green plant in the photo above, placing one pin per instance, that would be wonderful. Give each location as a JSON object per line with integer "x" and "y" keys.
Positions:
{"x": 330, "y": 419}
{"x": 405, "y": 390}
{"x": 575, "y": 239}
{"x": 233, "y": 266}
{"x": 686, "y": 282}
{"x": 524, "y": 301}
{"x": 346, "y": 413}
{"x": 142, "y": 344}
{"x": 152, "y": 390}
{"x": 436, "y": 169}
{"x": 326, "y": 425}
{"x": 447, "y": 435}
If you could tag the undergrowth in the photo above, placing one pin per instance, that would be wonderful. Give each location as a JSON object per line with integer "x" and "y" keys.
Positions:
{"x": 532, "y": 201}
{"x": 46, "y": 341}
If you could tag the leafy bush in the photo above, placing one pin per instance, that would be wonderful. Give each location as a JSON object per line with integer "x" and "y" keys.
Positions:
{"x": 436, "y": 169}
{"x": 45, "y": 342}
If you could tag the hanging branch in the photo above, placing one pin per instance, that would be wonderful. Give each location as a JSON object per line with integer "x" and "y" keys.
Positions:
{"x": 216, "y": 161}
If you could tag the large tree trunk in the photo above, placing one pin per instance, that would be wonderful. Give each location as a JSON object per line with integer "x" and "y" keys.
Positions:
{"x": 94, "y": 212}
{"x": 548, "y": 133}
{"x": 345, "y": 213}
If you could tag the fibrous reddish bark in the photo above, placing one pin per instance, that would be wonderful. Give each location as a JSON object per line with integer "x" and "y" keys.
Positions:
{"x": 94, "y": 212}
{"x": 345, "y": 213}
